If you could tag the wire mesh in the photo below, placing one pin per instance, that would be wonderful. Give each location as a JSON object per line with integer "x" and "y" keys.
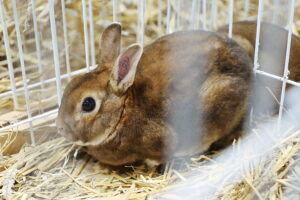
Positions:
{"x": 172, "y": 15}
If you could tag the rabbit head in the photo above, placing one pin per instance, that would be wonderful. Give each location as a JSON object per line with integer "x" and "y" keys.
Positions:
{"x": 93, "y": 103}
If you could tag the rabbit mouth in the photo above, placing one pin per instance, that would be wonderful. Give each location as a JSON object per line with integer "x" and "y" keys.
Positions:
{"x": 66, "y": 134}
{"x": 64, "y": 130}
{"x": 96, "y": 141}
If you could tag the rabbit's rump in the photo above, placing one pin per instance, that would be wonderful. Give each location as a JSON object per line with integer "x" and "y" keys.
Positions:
{"x": 198, "y": 82}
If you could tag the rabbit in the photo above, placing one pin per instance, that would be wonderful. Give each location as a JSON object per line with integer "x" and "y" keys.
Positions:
{"x": 174, "y": 97}
{"x": 272, "y": 52}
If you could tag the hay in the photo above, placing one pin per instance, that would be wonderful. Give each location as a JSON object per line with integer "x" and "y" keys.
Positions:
{"x": 271, "y": 173}
{"x": 51, "y": 171}
{"x": 55, "y": 170}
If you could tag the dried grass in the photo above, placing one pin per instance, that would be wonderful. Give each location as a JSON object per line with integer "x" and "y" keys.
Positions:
{"x": 51, "y": 171}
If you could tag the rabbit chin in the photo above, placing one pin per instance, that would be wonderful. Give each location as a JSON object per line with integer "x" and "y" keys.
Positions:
{"x": 100, "y": 139}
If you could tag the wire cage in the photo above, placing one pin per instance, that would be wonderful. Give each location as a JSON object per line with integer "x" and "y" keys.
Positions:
{"x": 31, "y": 72}
{"x": 46, "y": 43}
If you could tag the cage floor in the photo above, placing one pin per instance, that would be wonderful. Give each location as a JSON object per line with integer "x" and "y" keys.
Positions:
{"x": 51, "y": 171}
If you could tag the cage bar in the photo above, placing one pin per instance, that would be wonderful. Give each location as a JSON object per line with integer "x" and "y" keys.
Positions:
{"x": 141, "y": 21}
{"x": 246, "y": 9}
{"x": 8, "y": 57}
{"x": 204, "y": 14}
{"x": 193, "y": 15}
{"x": 259, "y": 17}
{"x": 34, "y": 85}
{"x": 159, "y": 15}
{"x": 230, "y": 17}
{"x": 198, "y": 15}
{"x": 22, "y": 64}
{"x": 92, "y": 41}
{"x": 64, "y": 76}
{"x": 275, "y": 9}
{"x": 38, "y": 47}
{"x": 66, "y": 41}
{"x": 297, "y": 84}
{"x": 257, "y": 36}
{"x": 178, "y": 17}
{"x": 55, "y": 49}
{"x": 168, "y": 17}
{"x": 90, "y": 51}
{"x": 40, "y": 116}
{"x": 115, "y": 6}
{"x": 286, "y": 63}
{"x": 214, "y": 13}
{"x": 86, "y": 35}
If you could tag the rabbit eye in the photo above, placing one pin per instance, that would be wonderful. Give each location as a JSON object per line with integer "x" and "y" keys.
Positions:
{"x": 88, "y": 104}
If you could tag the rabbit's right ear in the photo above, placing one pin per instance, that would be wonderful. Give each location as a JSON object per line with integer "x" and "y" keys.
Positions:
{"x": 110, "y": 43}
{"x": 124, "y": 69}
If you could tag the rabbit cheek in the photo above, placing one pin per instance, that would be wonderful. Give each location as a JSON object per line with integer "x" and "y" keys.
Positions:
{"x": 88, "y": 119}
{"x": 65, "y": 130}
{"x": 64, "y": 124}
{"x": 69, "y": 136}
{"x": 105, "y": 124}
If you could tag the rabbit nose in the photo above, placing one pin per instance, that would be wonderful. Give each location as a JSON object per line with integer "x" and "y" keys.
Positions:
{"x": 57, "y": 122}
{"x": 60, "y": 130}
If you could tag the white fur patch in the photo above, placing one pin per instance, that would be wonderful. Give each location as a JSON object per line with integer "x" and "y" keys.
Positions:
{"x": 96, "y": 141}
{"x": 151, "y": 163}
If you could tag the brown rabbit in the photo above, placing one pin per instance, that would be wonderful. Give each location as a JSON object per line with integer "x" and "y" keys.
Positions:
{"x": 176, "y": 96}
{"x": 272, "y": 52}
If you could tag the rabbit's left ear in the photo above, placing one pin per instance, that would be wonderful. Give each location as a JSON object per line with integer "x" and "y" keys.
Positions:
{"x": 124, "y": 69}
{"x": 110, "y": 43}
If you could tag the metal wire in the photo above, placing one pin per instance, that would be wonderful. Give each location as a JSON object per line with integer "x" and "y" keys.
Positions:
{"x": 90, "y": 51}
{"x": 286, "y": 64}
{"x": 92, "y": 41}
{"x": 86, "y": 35}
{"x": 8, "y": 56}
{"x": 259, "y": 17}
{"x": 38, "y": 47}
{"x": 230, "y": 17}
{"x": 55, "y": 50}
{"x": 66, "y": 41}
{"x": 22, "y": 63}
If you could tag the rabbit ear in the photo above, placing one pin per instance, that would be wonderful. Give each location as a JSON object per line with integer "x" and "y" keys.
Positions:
{"x": 124, "y": 69}
{"x": 110, "y": 43}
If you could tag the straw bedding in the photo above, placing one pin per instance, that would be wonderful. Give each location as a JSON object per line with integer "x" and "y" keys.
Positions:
{"x": 55, "y": 169}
